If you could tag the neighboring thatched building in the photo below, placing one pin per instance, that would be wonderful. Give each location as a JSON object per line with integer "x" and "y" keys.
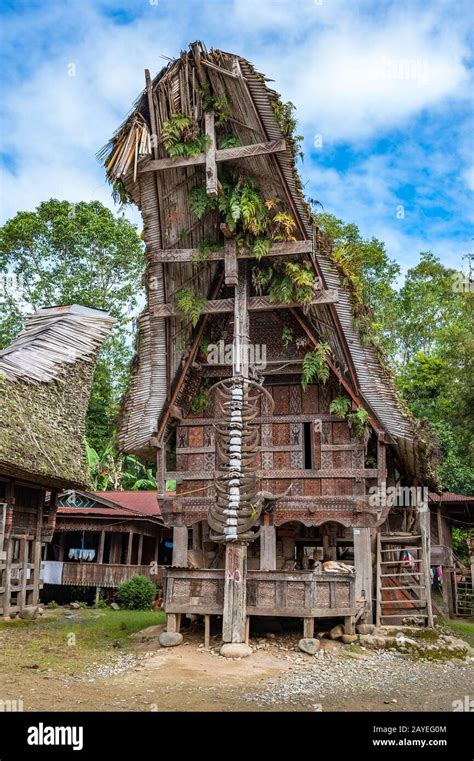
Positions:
{"x": 45, "y": 380}
{"x": 233, "y": 257}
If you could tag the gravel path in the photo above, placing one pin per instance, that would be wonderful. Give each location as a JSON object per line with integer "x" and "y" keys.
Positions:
{"x": 381, "y": 678}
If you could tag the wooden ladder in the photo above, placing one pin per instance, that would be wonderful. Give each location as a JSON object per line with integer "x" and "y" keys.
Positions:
{"x": 464, "y": 597}
{"x": 403, "y": 582}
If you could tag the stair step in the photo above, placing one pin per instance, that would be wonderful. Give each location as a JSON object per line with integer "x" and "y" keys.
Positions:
{"x": 406, "y": 574}
{"x": 406, "y": 603}
{"x": 404, "y": 586}
{"x": 402, "y": 615}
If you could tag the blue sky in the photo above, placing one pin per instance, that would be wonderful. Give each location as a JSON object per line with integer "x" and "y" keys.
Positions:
{"x": 383, "y": 90}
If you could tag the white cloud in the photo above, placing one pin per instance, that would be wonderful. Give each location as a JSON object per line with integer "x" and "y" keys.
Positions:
{"x": 323, "y": 57}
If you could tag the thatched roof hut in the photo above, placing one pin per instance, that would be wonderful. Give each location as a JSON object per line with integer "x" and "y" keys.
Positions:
{"x": 249, "y": 117}
{"x": 45, "y": 380}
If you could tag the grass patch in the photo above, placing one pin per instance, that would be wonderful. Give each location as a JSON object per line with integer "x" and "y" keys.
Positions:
{"x": 462, "y": 629}
{"x": 68, "y": 644}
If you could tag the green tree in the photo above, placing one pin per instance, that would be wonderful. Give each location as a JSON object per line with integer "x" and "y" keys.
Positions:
{"x": 371, "y": 275}
{"x": 436, "y": 363}
{"x": 65, "y": 253}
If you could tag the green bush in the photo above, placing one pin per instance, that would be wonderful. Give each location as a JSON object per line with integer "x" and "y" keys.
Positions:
{"x": 137, "y": 593}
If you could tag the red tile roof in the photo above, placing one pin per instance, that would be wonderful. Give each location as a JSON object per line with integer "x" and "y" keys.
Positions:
{"x": 141, "y": 504}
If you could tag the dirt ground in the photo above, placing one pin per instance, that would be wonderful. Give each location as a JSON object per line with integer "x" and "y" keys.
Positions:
{"x": 277, "y": 677}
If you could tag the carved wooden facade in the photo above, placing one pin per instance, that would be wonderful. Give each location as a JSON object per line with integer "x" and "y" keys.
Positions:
{"x": 314, "y": 473}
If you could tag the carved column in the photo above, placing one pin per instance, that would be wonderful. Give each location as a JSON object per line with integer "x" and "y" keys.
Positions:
{"x": 363, "y": 570}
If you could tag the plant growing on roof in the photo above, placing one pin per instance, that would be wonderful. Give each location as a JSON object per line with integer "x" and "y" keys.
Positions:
{"x": 229, "y": 141}
{"x": 204, "y": 251}
{"x": 254, "y": 221}
{"x": 292, "y": 283}
{"x": 261, "y": 277}
{"x": 315, "y": 366}
{"x": 358, "y": 420}
{"x": 340, "y": 406}
{"x": 287, "y": 335}
{"x": 188, "y": 304}
{"x": 182, "y": 136}
{"x": 201, "y": 400}
{"x": 284, "y": 115}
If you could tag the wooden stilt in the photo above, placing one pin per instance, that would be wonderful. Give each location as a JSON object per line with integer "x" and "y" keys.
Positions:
{"x": 207, "y": 631}
{"x": 308, "y": 628}
{"x": 234, "y": 615}
{"x": 349, "y": 624}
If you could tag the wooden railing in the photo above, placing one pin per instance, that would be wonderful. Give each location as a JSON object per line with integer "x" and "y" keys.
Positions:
{"x": 269, "y": 593}
{"x": 105, "y": 574}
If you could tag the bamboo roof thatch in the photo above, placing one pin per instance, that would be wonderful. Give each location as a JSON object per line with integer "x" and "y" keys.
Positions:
{"x": 255, "y": 115}
{"x": 45, "y": 380}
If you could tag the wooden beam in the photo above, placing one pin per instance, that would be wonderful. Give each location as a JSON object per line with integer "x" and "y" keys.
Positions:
{"x": 180, "y": 255}
{"x": 224, "y": 154}
{"x": 290, "y": 473}
{"x": 212, "y": 183}
{"x": 231, "y": 272}
{"x": 256, "y": 304}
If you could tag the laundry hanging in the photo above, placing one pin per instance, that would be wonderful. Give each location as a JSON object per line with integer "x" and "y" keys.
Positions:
{"x": 81, "y": 554}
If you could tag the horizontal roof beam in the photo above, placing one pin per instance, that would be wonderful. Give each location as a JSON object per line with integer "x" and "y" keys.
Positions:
{"x": 178, "y": 255}
{"x": 255, "y": 304}
{"x": 224, "y": 154}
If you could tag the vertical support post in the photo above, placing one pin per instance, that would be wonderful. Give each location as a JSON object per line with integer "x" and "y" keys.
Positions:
{"x": 36, "y": 583}
{"x": 196, "y": 534}
{"x": 161, "y": 470}
{"x": 180, "y": 547}
{"x": 129, "y": 548}
{"x": 173, "y": 622}
{"x": 363, "y": 570}
{"x": 140, "y": 549}
{"x": 7, "y": 579}
{"x": 424, "y": 522}
{"x": 308, "y": 628}
{"x": 100, "y": 551}
{"x": 23, "y": 563}
{"x": 234, "y": 617}
{"x": 211, "y": 165}
{"x": 349, "y": 624}
{"x": 62, "y": 542}
{"x": 235, "y": 593}
{"x": 207, "y": 631}
{"x": 267, "y": 547}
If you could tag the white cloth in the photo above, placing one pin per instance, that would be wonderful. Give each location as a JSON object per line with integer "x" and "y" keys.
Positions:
{"x": 52, "y": 571}
{"x": 79, "y": 554}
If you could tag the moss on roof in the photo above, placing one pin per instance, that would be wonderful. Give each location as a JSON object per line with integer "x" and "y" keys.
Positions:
{"x": 42, "y": 427}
